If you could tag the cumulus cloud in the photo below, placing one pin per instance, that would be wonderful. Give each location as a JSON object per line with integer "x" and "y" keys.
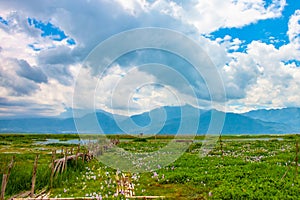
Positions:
{"x": 121, "y": 90}
{"x": 134, "y": 7}
{"x": 208, "y": 16}
{"x": 41, "y": 71}
{"x": 32, "y": 73}
{"x": 17, "y": 23}
{"x": 294, "y": 29}
{"x": 58, "y": 55}
{"x": 28, "y": 87}
{"x": 262, "y": 78}
{"x": 11, "y": 82}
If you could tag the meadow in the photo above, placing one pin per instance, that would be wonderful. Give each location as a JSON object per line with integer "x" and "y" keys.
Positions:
{"x": 239, "y": 167}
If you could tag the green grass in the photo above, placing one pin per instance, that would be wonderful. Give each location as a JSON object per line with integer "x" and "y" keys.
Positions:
{"x": 248, "y": 169}
{"x": 21, "y": 173}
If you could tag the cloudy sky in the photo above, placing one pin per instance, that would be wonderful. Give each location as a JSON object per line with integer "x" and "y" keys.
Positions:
{"x": 254, "y": 45}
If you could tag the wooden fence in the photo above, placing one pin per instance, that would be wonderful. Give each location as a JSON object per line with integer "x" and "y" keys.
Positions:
{"x": 59, "y": 165}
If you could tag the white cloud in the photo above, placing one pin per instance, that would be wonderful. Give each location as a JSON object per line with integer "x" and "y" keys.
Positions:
{"x": 15, "y": 40}
{"x": 125, "y": 91}
{"x": 134, "y": 7}
{"x": 209, "y": 16}
{"x": 23, "y": 80}
{"x": 31, "y": 96}
{"x": 130, "y": 90}
{"x": 294, "y": 29}
{"x": 258, "y": 76}
{"x": 262, "y": 76}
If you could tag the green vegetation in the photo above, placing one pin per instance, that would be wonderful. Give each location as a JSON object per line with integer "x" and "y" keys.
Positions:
{"x": 247, "y": 167}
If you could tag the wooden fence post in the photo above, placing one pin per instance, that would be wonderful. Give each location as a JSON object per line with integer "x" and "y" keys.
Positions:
{"x": 34, "y": 176}
{"x": 5, "y": 178}
{"x": 66, "y": 160}
{"x": 52, "y": 167}
{"x": 64, "y": 166}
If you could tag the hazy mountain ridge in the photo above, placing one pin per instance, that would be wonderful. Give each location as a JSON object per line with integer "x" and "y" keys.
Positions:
{"x": 165, "y": 120}
{"x": 288, "y": 116}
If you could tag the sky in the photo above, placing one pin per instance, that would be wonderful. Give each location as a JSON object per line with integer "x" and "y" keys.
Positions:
{"x": 253, "y": 44}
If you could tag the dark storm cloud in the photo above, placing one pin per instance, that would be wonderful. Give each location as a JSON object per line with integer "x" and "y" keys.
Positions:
{"x": 32, "y": 73}
{"x": 4, "y": 102}
{"x": 19, "y": 78}
{"x": 59, "y": 55}
{"x": 23, "y": 109}
{"x": 59, "y": 72}
{"x": 18, "y": 86}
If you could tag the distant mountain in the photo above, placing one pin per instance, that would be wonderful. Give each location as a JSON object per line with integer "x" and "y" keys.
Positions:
{"x": 236, "y": 123}
{"x": 38, "y": 125}
{"x": 287, "y": 116}
{"x": 233, "y": 124}
{"x": 106, "y": 121}
{"x": 168, "y": 119}
{"x": 165, "y": 120}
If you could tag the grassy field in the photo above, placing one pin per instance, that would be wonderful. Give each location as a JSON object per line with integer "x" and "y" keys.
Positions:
{"x": 247, "y": 167}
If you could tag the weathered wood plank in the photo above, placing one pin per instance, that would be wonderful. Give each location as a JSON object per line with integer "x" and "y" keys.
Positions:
{"x": 52, "y": 167}
{"x": 5, "y": 178}
{"x": 34, "y": 175}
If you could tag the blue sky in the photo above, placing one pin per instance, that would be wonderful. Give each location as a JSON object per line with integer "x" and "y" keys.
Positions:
{"x": 49, "y": 30}
{"x": 270, "y": 31}
{"x": 254, "y": 45}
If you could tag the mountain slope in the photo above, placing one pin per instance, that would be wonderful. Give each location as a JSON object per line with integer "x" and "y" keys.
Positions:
{"x": 233, "y": 124}
{"x": 288, "y": 116}
{"x": 165, "y": 120}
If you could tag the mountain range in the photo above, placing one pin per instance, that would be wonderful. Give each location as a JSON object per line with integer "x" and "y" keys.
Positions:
{"x": 164, "y": 120}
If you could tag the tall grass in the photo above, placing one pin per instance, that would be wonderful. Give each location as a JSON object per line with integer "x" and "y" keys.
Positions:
{"x": 69, "y": 175}
{"x": 21, "y": 174}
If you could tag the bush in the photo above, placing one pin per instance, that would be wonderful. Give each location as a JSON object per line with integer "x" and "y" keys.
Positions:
{"x": 140, "y": 140}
